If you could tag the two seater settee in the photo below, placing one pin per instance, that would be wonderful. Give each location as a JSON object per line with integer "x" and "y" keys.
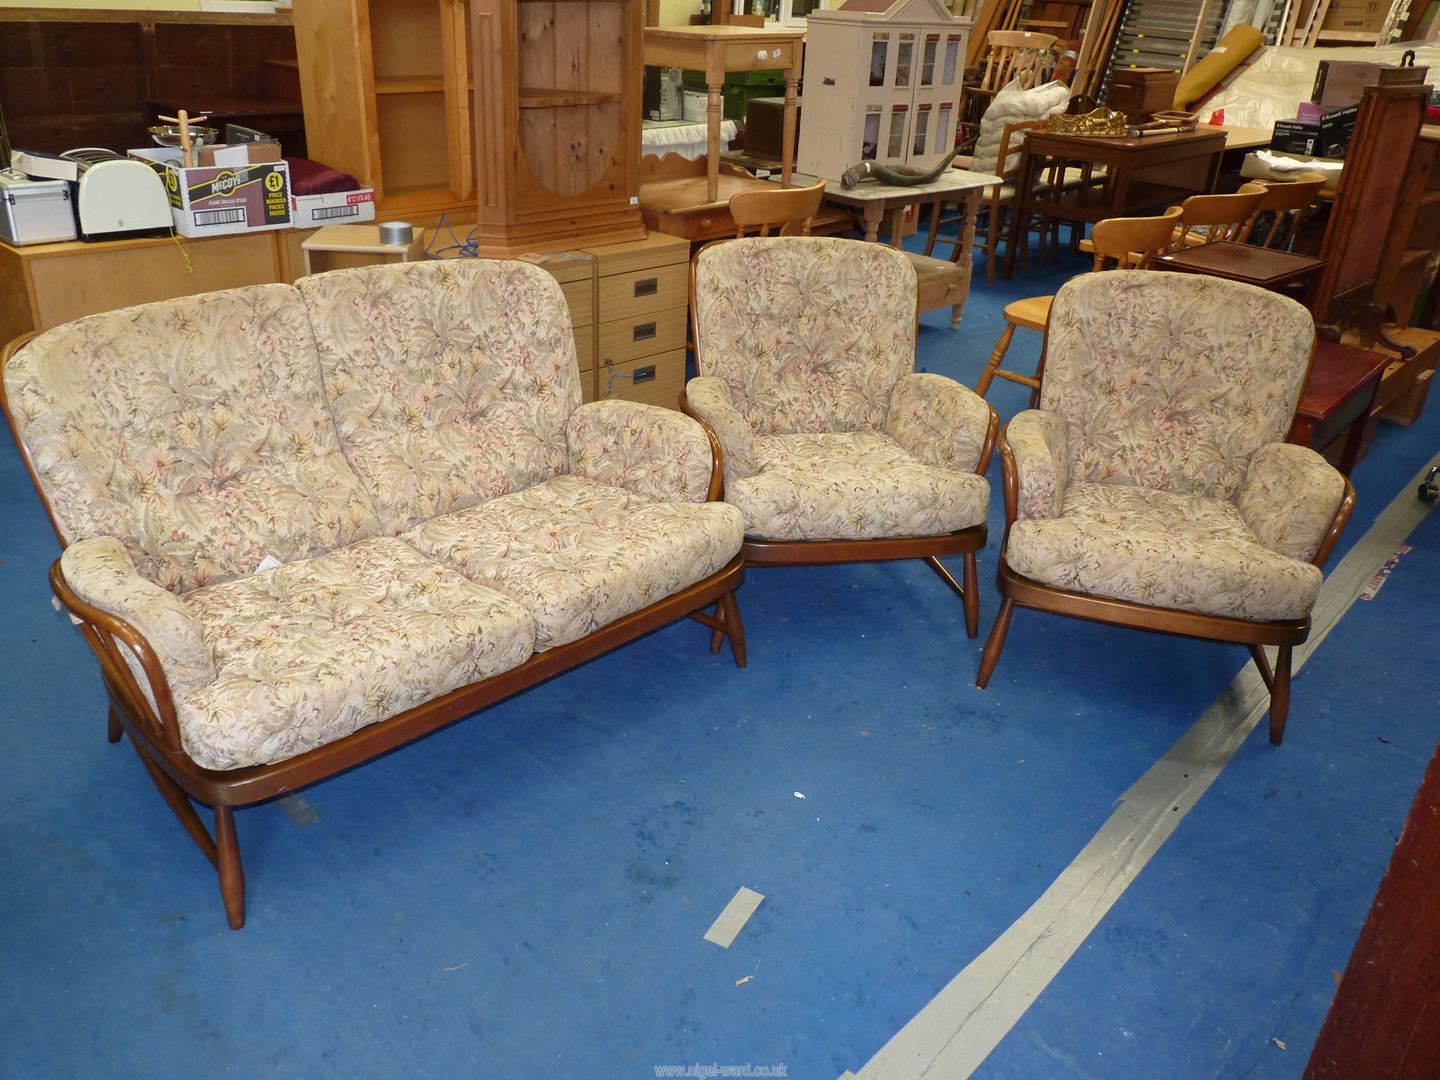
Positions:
{"x": 303, "y": 525}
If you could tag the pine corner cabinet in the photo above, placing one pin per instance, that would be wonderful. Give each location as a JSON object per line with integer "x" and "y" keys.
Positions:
{"x": 557, "y": 123}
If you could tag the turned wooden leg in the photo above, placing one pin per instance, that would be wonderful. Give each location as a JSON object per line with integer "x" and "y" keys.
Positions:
{"x": 971, "y": 597}
{"x": 995, "y": 642}
{"x": 1002, "y": 346}
{"x": 115, "y": 730}
{"x": 734, "y": 627}
{"x": 179, "y": 803}
{"x": 1280, "y": 695}
{"x": 232, "y": 875}
{"x": 934, "y": 227}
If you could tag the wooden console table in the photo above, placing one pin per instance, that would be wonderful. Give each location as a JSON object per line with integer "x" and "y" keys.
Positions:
{"x": 1140, "y": 174}
{"x": 716, "y": 50}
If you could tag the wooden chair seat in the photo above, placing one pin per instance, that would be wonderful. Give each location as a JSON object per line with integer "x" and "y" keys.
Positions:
{"x": 1033, "y": 312}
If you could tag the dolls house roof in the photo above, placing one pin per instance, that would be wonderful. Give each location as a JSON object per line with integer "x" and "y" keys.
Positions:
{"x": 872, "y": 11}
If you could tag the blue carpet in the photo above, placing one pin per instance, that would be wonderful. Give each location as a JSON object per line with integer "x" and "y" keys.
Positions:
{"x": 524, "y": 894}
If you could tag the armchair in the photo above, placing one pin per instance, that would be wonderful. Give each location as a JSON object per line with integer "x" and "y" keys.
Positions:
{"x": 834, "y": 448}
{"x": 1151, "y": 488}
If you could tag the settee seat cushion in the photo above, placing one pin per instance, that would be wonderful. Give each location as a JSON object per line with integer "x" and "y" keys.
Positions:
{"x": 852, "y": 486}
{"x": 311, "y": 651}
{"x": 1187, "y": 552}
{"x": 578, "y": 554}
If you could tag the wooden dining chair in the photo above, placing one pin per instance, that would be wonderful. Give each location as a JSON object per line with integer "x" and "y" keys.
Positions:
{"x": 1026, "y": 55}
{"x": 1204, "y": 219}
{"x": 1130, "y": 243}
{"x": 788, "y": 211}
{"x": 1290, "y": 202}
{"x": 993, "y": 211}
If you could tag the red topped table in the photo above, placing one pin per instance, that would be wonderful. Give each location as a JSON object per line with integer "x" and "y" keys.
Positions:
{"x": 1338, "y": 396}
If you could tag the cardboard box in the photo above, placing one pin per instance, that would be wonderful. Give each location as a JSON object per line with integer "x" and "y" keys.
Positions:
{"x": 216, "y": 200}
{"x": 337, "y": 208}
{"x": 1327, "y": 137}
{"x": 248, "y": 153}
{"x": 1367, "y": 16}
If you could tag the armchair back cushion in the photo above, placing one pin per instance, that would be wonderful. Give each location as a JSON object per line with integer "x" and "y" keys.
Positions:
{"x": 451, "y": 382}
{"x": 810, "y": 334}
{"x": 1173, "y": 381}
{"x": 156, "y": 425}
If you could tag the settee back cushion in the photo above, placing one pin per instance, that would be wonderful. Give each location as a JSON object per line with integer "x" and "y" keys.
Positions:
{"x": 194, "y": 431}
{"x": 810, "y": 334}
{"x": 450, "y": 381}
{"x": 1172, "y": 381}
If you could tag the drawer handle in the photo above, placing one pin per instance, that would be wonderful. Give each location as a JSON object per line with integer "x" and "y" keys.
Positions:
{"x": 643, "y": 374}
{"x": 647, "y": 286}
{"x": 644, "y": 331}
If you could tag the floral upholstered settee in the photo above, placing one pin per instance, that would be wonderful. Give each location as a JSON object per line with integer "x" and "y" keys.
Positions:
{"x": 304, "y": 525}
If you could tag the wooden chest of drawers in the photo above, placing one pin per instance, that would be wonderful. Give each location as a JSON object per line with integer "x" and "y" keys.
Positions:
{"x": 642, "y": 291}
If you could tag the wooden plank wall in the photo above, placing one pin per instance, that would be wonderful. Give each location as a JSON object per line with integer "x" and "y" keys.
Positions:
{"x": 78, "y": 81}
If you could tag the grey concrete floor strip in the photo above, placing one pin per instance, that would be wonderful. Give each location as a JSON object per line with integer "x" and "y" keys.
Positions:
{"x": 961, "y": 1025}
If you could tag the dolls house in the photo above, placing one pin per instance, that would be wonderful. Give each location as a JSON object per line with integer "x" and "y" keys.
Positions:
{"x": 883, "y": 80}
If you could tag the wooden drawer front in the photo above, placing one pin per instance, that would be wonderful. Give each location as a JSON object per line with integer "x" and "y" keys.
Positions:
{"x": 585, "y": 347}
{"x": 741, "y": 57}
{"x": 643, "y": 335}
{"x": 587, "y": 386}
{"x": 581, "y": 298}
{"x": 655, "y": 380}
{"x": 640, "y": 291}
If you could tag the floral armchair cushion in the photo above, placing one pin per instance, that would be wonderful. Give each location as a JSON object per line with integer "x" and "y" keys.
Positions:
{"x": 1172, "y": 381}
{"x": 156, "y": 425}
{"x": 451, "y": 381}
{"x": 809, "y": 334}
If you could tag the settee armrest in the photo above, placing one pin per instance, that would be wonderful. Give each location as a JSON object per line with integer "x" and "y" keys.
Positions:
{"x": 655, "y": 452}
{"x": 1036, "y": 463}
{"x": 708, "y": 399}
{"x": 1291, "y": 499}
{"x": 100, "y": 575}
{"x": 941, "y": 422}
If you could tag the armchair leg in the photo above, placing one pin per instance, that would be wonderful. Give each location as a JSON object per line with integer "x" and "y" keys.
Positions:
{"x": 971, "y": 598}
{"x": 991, "y": 656}
{"x": 1280, "y": 695}
{"x": 734, "y": 627}
{"x": 232, "y": 875}
{"x": 115, "y": 730}
{"x": 179, "y": 804}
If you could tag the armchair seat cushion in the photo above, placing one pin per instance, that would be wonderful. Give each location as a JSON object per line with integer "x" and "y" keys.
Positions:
{"x": 314, "y": 650}
{"x": 1187, "y": 552}
{"x": 853, "y": 486}
{"x": 577, "y": 554}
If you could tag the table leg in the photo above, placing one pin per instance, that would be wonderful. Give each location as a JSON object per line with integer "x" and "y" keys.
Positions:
{"x": 1024, "y": 186}
{"x": 872, "y": 212}
{"x": 970, "y": 205}
{"x": 787, "y": 133}
{"x": 712, "y": 141}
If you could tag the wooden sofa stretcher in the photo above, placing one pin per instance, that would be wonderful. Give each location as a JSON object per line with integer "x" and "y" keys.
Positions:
{"x": 154, "y": 730}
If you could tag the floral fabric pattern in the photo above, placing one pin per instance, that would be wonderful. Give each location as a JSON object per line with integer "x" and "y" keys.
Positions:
{"x": 810, "y": 334}
{"x": 938, "y": 421}
{"x": 312, "y": 651}
{"x": 852, "y": 486}
{"x": 451, "y": 381}
{"x": 100, "y": 572}
{"x": 578, "y": 555}
{"x": 1173, "y": 381}
{"x": 1290, "y": 497}
{"x": 157, "y": 426}
{"x": 655, "y": 452}
{"x": 1187, "y": 552}
{"x": 709, "y": 399}
{"x": 1037, "y": 442}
